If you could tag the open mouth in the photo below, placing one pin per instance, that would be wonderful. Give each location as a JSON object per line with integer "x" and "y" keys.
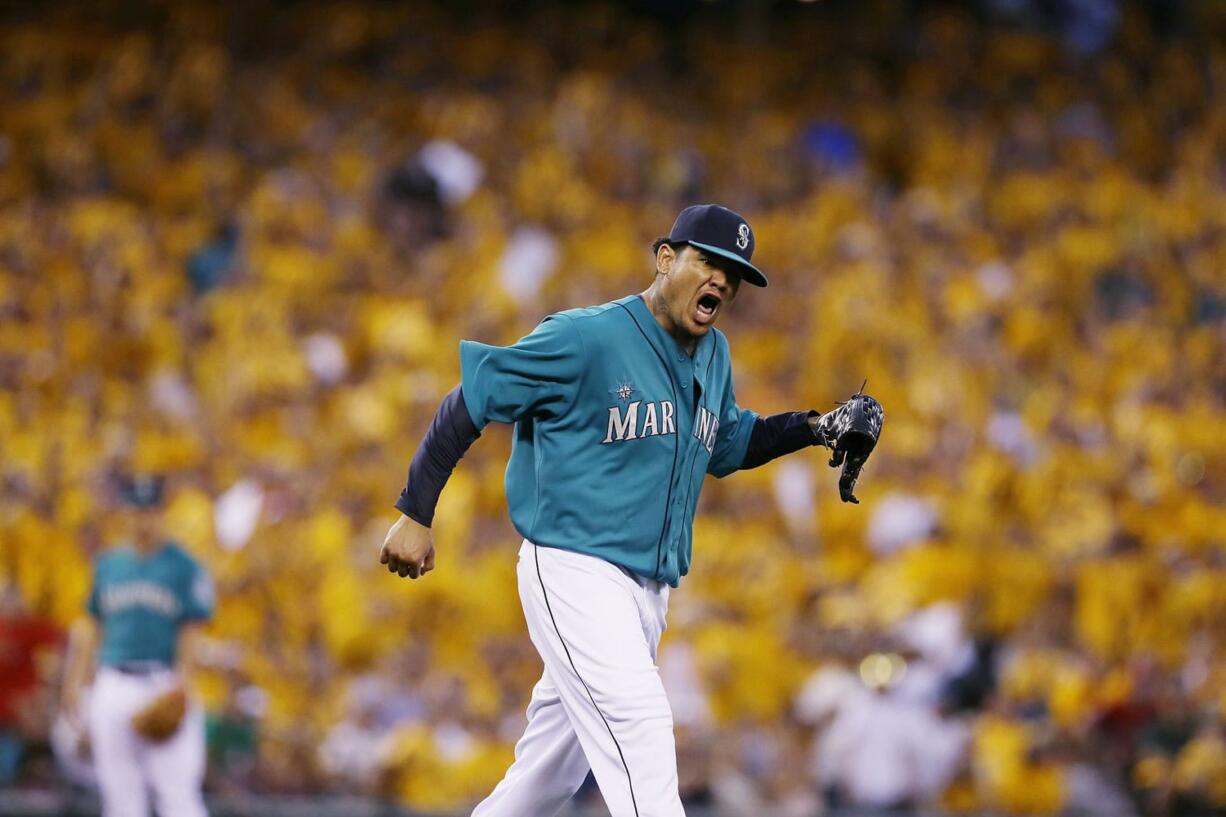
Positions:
{"x": 708, "y": 305}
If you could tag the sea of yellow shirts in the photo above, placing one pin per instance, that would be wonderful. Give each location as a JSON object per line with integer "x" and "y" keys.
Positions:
{"x": 982, "y": 286}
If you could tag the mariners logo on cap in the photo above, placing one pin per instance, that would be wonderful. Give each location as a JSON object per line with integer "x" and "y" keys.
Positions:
{"x": 742, "y": 235}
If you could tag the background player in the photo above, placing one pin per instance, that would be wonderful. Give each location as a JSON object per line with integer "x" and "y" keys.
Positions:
{"x": 144, "y": 731}
{"x": 620, "y": 410}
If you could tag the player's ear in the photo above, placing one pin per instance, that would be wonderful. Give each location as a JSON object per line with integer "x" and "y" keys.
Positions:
{"x": 665, "y": 257}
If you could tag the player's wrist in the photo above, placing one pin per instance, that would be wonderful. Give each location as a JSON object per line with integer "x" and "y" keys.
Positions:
{"x": 814, "y": 421}
{"x": 410, "y": 516}
{"x": 408, "y": 513}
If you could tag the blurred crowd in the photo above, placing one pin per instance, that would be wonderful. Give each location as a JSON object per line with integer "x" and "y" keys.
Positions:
{"x": 238, "y": 246}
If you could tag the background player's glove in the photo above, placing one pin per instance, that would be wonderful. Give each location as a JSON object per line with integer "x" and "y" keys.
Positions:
{"x": 851, "y": 432}
{"x": 158, "y": 721}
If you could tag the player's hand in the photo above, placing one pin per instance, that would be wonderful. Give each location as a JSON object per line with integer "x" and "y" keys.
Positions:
{"x": 72, "y": 708}
{"x": 408, "y": 549}
{"x": 70, "y": 704}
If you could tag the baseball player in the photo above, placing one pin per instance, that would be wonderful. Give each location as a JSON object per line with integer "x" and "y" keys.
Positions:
{"x": 145, "y": 733}
{"x": 620, "y": 410}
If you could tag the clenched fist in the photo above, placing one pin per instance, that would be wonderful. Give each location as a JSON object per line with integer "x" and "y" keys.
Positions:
{"x": 408, "y": 549}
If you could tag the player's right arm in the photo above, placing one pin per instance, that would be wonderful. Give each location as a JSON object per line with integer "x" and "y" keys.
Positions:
{"x": 78, "y": 666}
{"x": 537, "y": 376}
{"x": 408, "y": 548}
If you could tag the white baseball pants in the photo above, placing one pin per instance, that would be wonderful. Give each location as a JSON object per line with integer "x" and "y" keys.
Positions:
{"x": 600, "y": 703}
{"x": 128, "y": 766}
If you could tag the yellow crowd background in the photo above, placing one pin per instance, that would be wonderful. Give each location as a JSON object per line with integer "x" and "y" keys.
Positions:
{"x": 1023, "y": 233}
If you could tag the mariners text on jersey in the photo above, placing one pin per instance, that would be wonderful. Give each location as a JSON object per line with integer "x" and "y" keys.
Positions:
{"x": 615, "y": 429}
{"x": 156, "y": 598}
{"x": 628, "y": 427}
{"x": 143, "y": 601}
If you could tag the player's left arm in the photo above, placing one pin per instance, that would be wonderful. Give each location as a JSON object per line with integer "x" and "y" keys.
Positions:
{"x": 779, "y": 434}
{"x": 189, "y": 652}
{"x": 198, "y": 608}
{"x": 746, "y": 440}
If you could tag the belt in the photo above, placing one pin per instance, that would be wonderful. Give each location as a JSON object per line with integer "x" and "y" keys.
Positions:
{"x": 140, "y": 667}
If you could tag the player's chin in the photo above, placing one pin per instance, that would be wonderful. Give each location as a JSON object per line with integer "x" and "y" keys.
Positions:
{"x": 697, "y": 330}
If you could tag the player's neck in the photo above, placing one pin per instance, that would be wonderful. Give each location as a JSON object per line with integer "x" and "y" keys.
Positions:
{"x": 145, "y": 546}
{"x": 655, "y": 305}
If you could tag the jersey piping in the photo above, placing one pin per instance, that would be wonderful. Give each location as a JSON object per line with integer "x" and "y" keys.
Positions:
{"x": 672, "y": 475}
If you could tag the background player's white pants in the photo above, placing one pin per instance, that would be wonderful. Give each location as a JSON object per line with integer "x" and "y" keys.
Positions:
{"x": 600, "y": 702}
{"x": 129, "y": 766}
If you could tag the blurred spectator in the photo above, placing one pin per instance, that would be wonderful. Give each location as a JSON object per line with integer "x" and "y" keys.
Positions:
{"x": 29, "y": 646}
{"x": 414, "y": 216}
{"x": 208, "y": 266}
{"x": 883, "y": 743}
{"x": 232, "y": 736}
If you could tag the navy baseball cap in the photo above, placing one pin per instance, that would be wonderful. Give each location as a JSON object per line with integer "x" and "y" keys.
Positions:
{"x": 721, "y": 232}
{"x": 141, "y": 491}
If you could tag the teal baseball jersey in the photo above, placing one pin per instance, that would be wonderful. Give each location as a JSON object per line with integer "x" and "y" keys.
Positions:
{"x": 142, "y": 602}
{"x": 615, "y": 428}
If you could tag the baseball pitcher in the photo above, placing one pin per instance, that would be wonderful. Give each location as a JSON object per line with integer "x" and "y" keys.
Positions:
{"x": 620, "y": 411}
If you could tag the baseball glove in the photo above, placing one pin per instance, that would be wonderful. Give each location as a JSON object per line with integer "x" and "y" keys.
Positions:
{"x": 159, "y": 721}
{"x": 851, "y": 432}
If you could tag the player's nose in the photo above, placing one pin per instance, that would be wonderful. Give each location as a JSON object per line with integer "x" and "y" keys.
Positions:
{"x": 726, "y": 282}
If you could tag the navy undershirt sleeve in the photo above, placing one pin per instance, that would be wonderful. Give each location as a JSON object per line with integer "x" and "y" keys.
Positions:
{"x": 449, "y": 436}
{"x": 778, "y": 434}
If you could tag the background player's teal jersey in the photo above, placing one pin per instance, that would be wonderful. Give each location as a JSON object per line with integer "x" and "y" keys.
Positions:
{"x": 143, "y": 601}
{"x": 615, "y": 428}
